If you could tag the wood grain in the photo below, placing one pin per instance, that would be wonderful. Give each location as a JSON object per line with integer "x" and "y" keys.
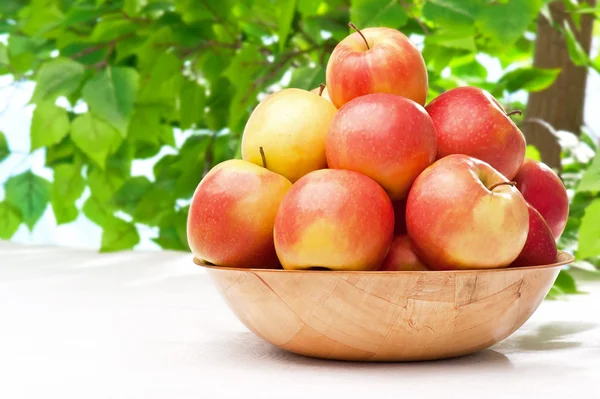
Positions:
{"x": 385, "y": 316}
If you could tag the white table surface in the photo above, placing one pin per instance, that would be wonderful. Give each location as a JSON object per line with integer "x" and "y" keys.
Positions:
{"x": 76, "y": 324}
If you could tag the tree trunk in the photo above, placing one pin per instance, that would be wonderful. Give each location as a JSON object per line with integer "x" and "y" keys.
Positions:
{"x": 561, "y": 105}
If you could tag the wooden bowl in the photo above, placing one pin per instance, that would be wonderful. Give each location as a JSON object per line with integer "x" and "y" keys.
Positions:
{"x": 385, "y": 316}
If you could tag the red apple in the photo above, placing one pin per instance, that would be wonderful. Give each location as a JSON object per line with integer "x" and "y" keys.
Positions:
{"x": 389, "y": 63}
{"x": 402, "y": 256}
{"x": 337, "y": 219}
{"x": 463, "y": 214}
{"x": 399, "y": 217}
{"x": 231, "y": 217}
{"x": 389, "y": 138}
{"x": 540, "y": 247}
{"x": 544, "y": 190}
{"x": 470, "y": 121}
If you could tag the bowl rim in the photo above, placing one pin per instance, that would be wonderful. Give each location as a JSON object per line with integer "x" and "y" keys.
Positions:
{"x": 566, "y": 259}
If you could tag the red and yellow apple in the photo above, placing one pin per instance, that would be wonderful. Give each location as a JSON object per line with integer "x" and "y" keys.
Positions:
{"x": 402, "y": 256}
{"x": 544, "y": 190}
{"x": 336, "y": 219}
{"x": 470, "y": 121}
{"x": 388, "y": 62}
{"x": 389, "y": 138}
{"x": 463, "y": 214}
{"x": 232, "y": 214}
{"x": 540, "y": 247}
{"x": 290, "y": 126}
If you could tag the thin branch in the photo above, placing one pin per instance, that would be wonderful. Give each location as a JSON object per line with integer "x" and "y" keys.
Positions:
{"x": 97, "y": 47}
{"x": 276, "y": 66}
{"x": 208, "y": 44}
{"x": 128, "y": 17}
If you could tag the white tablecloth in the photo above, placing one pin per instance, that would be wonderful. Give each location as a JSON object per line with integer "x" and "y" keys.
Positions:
{"x": 76, "y": 324}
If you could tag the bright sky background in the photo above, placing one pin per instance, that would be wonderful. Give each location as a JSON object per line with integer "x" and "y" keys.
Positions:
{"x": 15, "y": 118}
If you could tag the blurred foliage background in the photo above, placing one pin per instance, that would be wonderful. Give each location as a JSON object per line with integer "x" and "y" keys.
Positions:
{"x": 120, "y": 80}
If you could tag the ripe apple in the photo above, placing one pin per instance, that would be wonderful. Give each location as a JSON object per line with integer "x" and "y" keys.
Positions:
{"x": 470, "y": 121}
{"x": 290, "y": 126}
{"x": 399, "y": 217}
{"x": 231, "y": 217}
{"x": 389, "y": 138}
{"x": 402, "y": 256}
{"x": 463, "y": 214}
{"x": 544, "y": 190}
{"x": 324, "y": 94}
{"x": 376, "y": 60}
{"x": 540, "y": 247}
{"x": 337, "y": 219}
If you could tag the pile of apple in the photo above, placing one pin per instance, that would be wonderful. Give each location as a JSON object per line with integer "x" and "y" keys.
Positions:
{"x": 360, "y": 176}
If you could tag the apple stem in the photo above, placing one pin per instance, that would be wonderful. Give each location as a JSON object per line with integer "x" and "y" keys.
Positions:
{"x": 262, "y": 155}
{"x": 503, "y": 183}
{"x": 321, "y": 88}
{"x": 360, "y": 33}
{"x": 516, "y": 111}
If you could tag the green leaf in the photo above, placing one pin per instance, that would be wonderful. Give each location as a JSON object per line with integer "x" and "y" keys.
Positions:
{"x": 10, "y": 220}
{"x": 577, "y": 54}
{"x": 79, "y": 13}
{"x": 153, "y": 204}
{"x": 457, "y": 40}
{"x": 451, "y": 13}
{"x": 97, "y": 211}
{"x": 242, "y": 73}
{"x": 118, "y": 235}
{"x": 67, "y": 188}
{"x": 131, "y": 193}
{"x": 172, "y": 231}
{"x": 192, "y": 10}
{"x": 63, "y": 152}
{"x": 29, "y": 194}
{"x": 505, "y": 23}
{"x": 4, "y": 150}
{"x": 191, "y": 104}
{"x": 533, "y": 153}
{"x": 589, "y": 244}
{"x": 146, "y": 131}
{"x": 128, "y": 47}
{"x": 529, "y": 79}
{"x": 94, "y": 137}
{"x": 111, "y": 96}
{"x": 591, "y": 177}
{"x": 58, "y": 77}
{"x": 308, "y": 8}
{"x": 307, "y": 78}
{"x": 4, "y": 60}
{"x": 374, "y": 13}
{"x": 286, "y": 15}
{"x": 471, "y": 70}
{"x": 162, "y": 84}
{"x": 104, "y": 184}
{"x": 566, "y": 283}
{"x": 49, "y": 125}
{"x": 133, "y": 7}
{"x": 113, "y": 28}
{"x": 41, "y": 17}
